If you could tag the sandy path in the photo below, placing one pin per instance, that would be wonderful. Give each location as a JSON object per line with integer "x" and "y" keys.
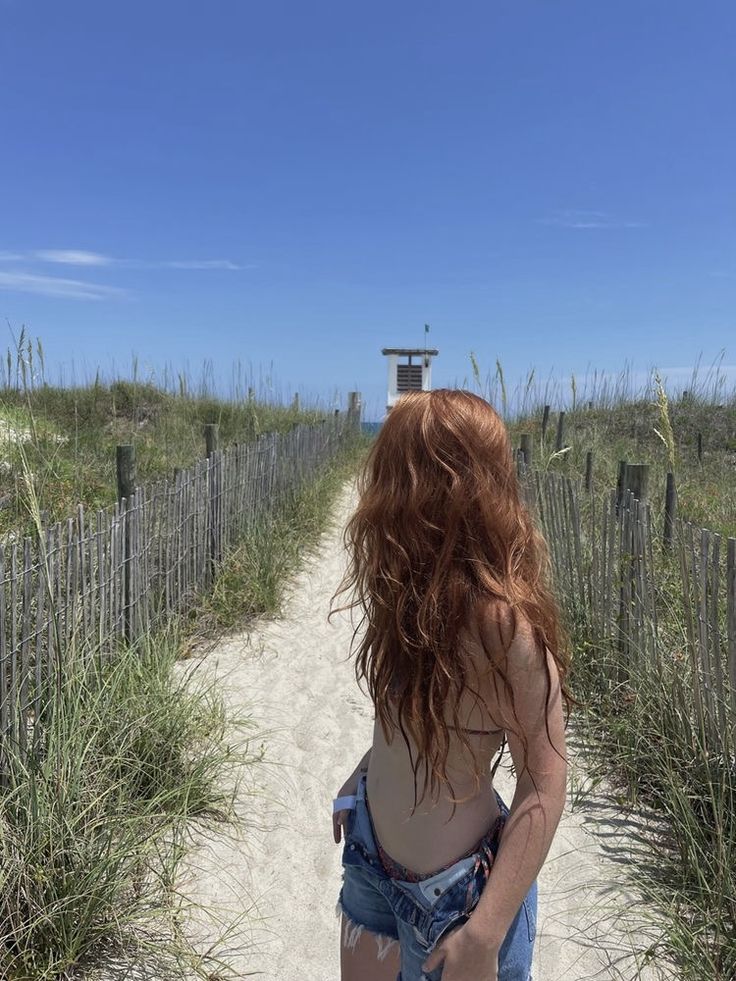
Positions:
{"x": 292, "y": 673}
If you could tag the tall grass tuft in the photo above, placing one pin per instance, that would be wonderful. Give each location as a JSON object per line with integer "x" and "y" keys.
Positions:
{"x": 666, "y": 435}
{"x": 93, "y": 823}
{"x": 504, "y": 400}
{"x": 527, "y": 389}
{"x": 686, "y": 875}
{"x": 476, "y": 370}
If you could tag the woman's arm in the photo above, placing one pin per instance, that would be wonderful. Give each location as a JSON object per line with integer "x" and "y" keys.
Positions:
{"x": 362, "y": 767}
{"x": 534, "y": 814}
{"x": 351, "y": 783}
{"x": 348, "y": 789}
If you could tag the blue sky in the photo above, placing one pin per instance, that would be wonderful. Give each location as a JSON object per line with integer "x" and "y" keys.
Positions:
{"x": 297, "y": 185}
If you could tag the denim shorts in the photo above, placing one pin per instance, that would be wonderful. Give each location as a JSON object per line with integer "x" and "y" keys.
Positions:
{"x": 417, "y": 915}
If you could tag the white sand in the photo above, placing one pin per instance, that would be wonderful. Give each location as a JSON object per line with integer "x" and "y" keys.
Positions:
{"x": 294, "y": 676}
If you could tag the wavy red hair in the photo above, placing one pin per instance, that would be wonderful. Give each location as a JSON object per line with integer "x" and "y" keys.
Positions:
{"x": 439, "y": 531}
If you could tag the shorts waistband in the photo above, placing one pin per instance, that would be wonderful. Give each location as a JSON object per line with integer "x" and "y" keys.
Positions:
{"x": 395, "y": 870}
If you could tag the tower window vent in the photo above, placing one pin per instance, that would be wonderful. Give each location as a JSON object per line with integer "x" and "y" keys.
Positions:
{"x": 409, "y": 377}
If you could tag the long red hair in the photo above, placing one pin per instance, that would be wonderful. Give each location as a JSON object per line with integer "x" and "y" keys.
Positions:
{"x": 440, "y": 528}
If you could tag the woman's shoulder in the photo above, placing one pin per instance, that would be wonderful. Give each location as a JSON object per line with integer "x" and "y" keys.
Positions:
{"x": 531, "y": 689}
{"x": 502, "y": 633}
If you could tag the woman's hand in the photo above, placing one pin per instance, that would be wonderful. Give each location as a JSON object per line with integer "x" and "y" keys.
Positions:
{"x": 339, "y": 818}
{"x": 464, "y": 956}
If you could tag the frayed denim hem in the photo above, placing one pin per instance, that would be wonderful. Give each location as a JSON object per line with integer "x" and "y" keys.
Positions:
{"x": 351, "y": 933}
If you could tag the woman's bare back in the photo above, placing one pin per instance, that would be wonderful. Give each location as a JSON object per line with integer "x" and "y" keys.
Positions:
{"x": 433, "y": 837}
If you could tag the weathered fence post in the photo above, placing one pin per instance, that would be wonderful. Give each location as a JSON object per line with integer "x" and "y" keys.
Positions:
{"x": 125, "y": 460}
{"x": 560, "y": 430}
{"x": 731, "y": 627}
{"x": 125, "y": 464}
{"x": 526, "y": 448}
{"x": 670, "y": 505}
{"x": 620, "y": 484}
{"x": 520, "y": 464}
{"x": 212, "y": 442}
{"x": 545, "y": 420}
{"x": 211, "y": 438}
{"x": 700, "y": 447}
{"x": 627, "y": 537}
{"x": 589, "y": 470}
{"x": 590, "y": 404}
{"x": 354, "y": 409}
{"x": 637, "y": 480}
{"x": 295, "y": 402}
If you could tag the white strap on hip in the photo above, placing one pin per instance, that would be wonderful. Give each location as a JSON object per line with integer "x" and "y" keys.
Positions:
{"x": 343, "y": 803}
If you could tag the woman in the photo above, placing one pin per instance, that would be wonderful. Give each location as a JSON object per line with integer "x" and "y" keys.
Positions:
{"x": 463, "y": 650}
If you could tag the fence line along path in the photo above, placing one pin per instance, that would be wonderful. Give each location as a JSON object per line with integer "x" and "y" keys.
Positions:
{"x": 668, "y": 610}
{"x": 96, "y": 579}
{"x": 293, "y": 674}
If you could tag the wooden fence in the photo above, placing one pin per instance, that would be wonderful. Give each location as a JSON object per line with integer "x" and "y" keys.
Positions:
{"x": 118, "y": 572}
{"x": 674, "y": 609}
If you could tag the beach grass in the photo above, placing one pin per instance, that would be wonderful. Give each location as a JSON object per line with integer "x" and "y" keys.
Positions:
{"x": 132, "y": 757}
{"x": 638, "y": 737}
{"x": 69, "y": 433}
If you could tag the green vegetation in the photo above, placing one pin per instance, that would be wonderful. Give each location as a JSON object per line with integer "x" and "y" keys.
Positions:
{"x": 133, "y": 756}
{"x": 646, "y": 427}
{"x": 93, "y": 825}
{"x": 640, "y": 734}
{"x": 251, "y": 580}
{"x": 69, "y": 434}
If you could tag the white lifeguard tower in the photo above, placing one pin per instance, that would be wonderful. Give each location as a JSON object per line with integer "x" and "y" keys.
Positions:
{"x": 411, "y": 375}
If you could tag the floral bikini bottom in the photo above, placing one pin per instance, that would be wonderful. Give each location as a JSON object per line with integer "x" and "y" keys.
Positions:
{"x": 486, "y": 850}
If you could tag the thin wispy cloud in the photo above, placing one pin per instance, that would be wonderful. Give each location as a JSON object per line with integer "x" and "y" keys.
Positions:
{"x": 24, "y": 282}
{"x": 572, "y": 218}
{"x": 202, "y": 264}
{"x": 72, "y": 257}
{"x": 81, "y": 257}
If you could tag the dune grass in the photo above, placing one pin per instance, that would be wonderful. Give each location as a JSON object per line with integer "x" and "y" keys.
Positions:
{"x": 252, "y": 579}
{"x": 638, "y": 739}
{"x": 638, "y": 735}
{"x": 93, "y": 823}
{"x": 134, "y": 757}
{"x": 69, "y": 433}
